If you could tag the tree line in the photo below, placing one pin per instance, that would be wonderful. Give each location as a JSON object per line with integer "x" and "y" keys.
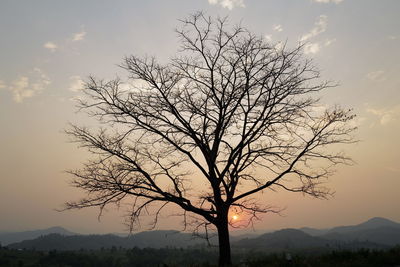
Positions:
{"x": 196, "y": 258}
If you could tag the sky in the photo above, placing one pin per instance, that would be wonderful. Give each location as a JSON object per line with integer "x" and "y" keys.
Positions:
{"x": 49, "y": 47}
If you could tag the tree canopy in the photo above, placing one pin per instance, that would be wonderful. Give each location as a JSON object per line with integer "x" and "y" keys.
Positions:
{"x": 231, "y": 110}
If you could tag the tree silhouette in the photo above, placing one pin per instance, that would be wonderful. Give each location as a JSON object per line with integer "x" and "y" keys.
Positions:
{"x": 230, "y": 111}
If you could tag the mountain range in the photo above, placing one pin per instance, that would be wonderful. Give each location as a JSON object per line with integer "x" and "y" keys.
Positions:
{"x": 14, "y": 237}
{"x": 374, "y": 233}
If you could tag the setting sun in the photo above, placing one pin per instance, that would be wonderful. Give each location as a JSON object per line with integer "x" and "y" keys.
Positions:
{"x": 235, "y": 217}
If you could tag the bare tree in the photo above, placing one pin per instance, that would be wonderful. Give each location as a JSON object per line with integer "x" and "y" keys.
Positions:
{"x": 230, "y": 111}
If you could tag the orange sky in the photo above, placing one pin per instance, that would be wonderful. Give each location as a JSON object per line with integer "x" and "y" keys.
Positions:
{"x": 48, "y": 48}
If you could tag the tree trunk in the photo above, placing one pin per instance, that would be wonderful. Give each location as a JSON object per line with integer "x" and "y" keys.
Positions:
{"x": 224, "y": 243}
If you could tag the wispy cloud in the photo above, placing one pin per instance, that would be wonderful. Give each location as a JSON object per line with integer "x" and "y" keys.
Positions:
{"x": 329, "y": 42}
{"x": 278, "y": 28}
{"x": 51, "y": 46}
{"x": 386, "y": 115}
{"x": 229, "y": 4}
{"x": 76, "y": 83}
{"x": 319, "y": 27}
{"x": 328, "y": 1}
{"x": 79, "y": 36}
{"x": 2, "y": 84}
{"x": 376, "y": 76}
{"x": 29, "y": 85}
{"x": 311, "y": 48}
{"x": 20, "y": 89}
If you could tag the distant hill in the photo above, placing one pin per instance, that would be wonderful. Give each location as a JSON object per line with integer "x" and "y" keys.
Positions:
{"x": 161, "y": 239}
{"x": 373, "y": 223}
{"x": 13, "y": 237}
{"x": 313, "y": 231}
{"x": 282, "y": 239}
{"x": 370, "y": 224}
{"x": 374, "y": 233}
{"x": 75, "y": 242}
{"x": 377, "y": 230}
{"x": 293, "y": 239}
{"x": 385, "y": 235}
{"x": 150, "y": 239}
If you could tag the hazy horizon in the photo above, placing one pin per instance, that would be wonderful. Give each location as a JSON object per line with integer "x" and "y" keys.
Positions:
{"x": 234, "y": 232}
{"x": 49, "y": 47}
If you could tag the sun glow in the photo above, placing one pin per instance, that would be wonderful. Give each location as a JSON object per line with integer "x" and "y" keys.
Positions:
{"x": 235, "y": 217}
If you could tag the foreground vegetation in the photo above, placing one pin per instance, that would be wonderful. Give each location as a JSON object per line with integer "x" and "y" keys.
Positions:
{"x": 196, "y": 257}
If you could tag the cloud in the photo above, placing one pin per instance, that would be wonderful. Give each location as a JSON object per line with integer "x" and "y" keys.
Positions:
{"x": 279, "y": 46}
{"x": 229, "y": 4}
{"x": 51, "y": 46}
{"x": 268, "y": 37}
{"x": 329, "y": 42}
{"x": 29, "y": 85}
{"x": 278, "y": 28}
{"x": 386, "y": 115}
{"x": 79, "y": 36}
{"x": 376, "y": 76}
{"x": 311, "y": 48}
{"x": 319, "y": 27}
{"x": 328, "y": 1}
{"x": 76, "y": 83}
{"x": 20, "y": 89}
{"x": 2, "y": 84}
